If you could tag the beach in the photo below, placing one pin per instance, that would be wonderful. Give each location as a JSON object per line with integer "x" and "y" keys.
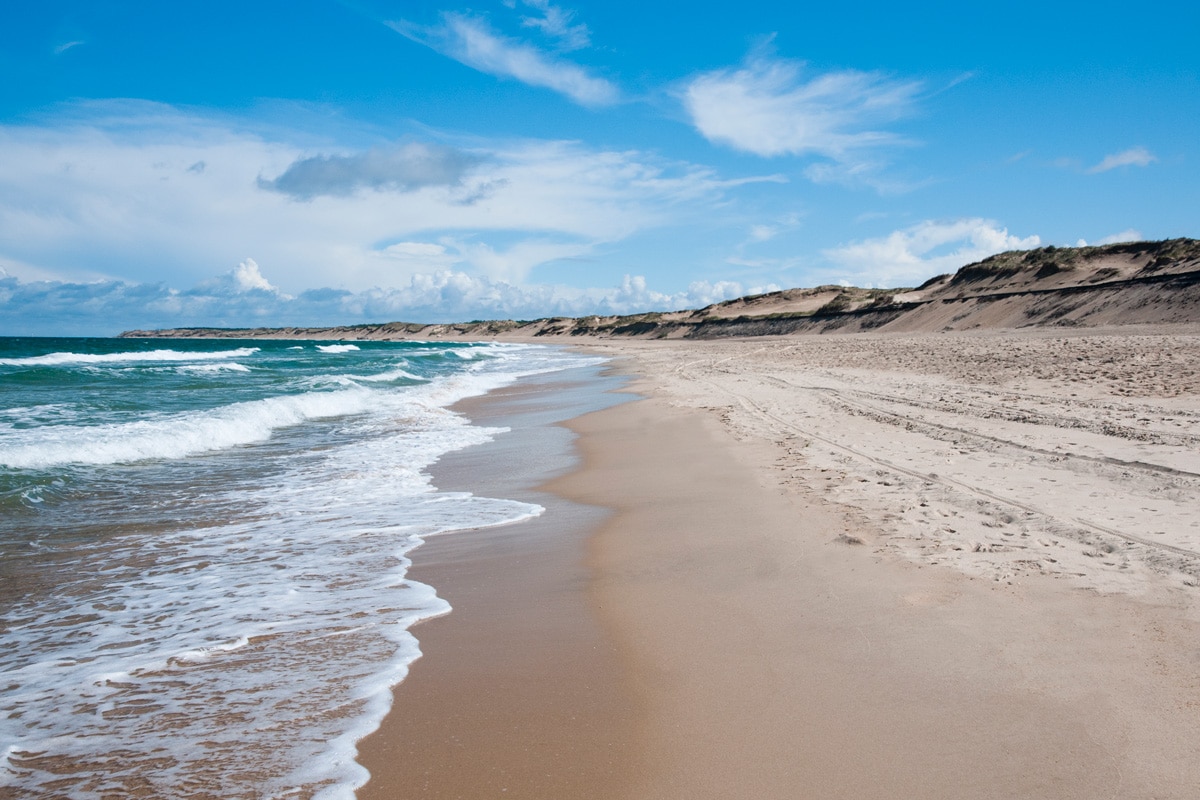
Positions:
{"x": 938, "y": 565}
{"x": 204, "y": 550}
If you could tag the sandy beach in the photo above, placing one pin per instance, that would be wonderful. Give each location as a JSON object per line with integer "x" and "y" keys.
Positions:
{"x": 941, "y": 565}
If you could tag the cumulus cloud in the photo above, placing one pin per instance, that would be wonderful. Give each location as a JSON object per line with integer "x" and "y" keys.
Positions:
{"x": 909, "y": 256}
{"x": 107, "y": 307}
{"x": 1133, "y": 157}
{"x": 244, "y": 280}
{"x": 770, "y": 107}
{"x": 247, "y": 277}
{"x": 403, "y": 169}
{"x": 472, "y": 42}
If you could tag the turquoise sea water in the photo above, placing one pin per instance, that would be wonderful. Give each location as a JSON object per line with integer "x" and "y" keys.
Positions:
{"x": 203, "y": 549}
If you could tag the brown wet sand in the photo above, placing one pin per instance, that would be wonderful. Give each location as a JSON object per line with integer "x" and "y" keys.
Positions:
{"x": 518, "y": 691}
{"x": 726, "y": 638}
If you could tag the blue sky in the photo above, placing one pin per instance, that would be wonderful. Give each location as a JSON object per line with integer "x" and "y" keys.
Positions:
{"x": 320, "y": 162}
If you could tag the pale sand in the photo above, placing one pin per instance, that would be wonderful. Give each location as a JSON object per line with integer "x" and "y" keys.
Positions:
{"x": 936, "y": 566}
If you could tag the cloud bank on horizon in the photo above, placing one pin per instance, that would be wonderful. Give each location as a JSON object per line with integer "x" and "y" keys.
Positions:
{"x": 525, "y": 158}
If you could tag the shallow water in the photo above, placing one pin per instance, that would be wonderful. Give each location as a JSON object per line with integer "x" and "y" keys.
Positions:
{"x": 203, "y": 553}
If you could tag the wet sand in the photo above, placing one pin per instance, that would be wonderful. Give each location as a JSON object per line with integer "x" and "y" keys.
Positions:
{"x": 518, "y": 691}
{"x": 750, "y": 621}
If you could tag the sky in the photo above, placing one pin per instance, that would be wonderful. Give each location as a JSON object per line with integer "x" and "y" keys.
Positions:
{"x": 319, "y": 162}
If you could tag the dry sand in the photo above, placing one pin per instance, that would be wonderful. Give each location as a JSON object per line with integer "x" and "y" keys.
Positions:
{"x": 938, "y": 566}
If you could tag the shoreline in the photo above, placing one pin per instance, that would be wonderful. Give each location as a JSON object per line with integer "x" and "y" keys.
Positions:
{"x": 771, "y": 635}
{"x": 517, "y": 690}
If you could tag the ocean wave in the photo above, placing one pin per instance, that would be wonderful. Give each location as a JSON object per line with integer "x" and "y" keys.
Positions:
{"x": 337, "y": 348}
{"x": 176, "y": 435}
{"x": 387, "y": 377}
{"x": 232, "y": 366}
{"x": 63, "y": 359}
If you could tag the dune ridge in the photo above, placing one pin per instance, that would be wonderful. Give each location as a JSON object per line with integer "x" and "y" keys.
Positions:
{"x": 1134, "y": 283}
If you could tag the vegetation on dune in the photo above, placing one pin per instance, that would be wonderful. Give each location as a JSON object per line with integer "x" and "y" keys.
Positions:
{"x": 1046, "y": 261}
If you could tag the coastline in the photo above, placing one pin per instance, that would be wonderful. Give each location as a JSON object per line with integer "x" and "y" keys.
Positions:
{"x": 518, "y": 690}
{"x": 761, "y": 635}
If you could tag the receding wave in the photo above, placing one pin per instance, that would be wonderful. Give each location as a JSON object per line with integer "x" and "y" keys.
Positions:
{"x": 178, "y": 435}
{"x": 57, "y": 359}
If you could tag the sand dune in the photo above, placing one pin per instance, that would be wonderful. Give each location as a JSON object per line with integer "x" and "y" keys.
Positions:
{"x": 1138, "y": 283}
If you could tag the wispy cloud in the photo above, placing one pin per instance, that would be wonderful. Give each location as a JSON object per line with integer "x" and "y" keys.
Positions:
{"x": 770, "y": 107}
{"x": 862, "y": 171}
{"x": 1133, "y": 157}
{"x": 913, "y": 254}
{"x": 65, "y": 46}
{"x": 471, "y": 41}
{"x": 766, "y": 231}
{"x": 406, "y": 168}
{"x": 556, "y": 23}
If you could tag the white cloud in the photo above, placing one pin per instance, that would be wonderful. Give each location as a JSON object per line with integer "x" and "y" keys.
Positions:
{"x": 112, "y": 191}
{"x": 555, "y": 22}
{"x": 768, "y": 107}
{"x": 513, "y": 264}
{"x": 65, "y": 46}
{"x": 762, "y": 233}
{"x": 634, "y": 295}
{"x": 1127, "y": 235}
{"x": 1133, "y": 157}
{"x": 909, "y": 256}
{"x": 247, "y": 277}
{"x": 862, "y": 171}
{"x": 423, "y": 255}
{"x": 766, "y": 231}
{"x": 107, "y": 307}
{"x": 472, "y": 42}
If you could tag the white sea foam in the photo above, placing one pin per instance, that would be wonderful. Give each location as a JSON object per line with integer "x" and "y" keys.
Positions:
{"x": 174, "y": 435}
{"x": 62, "y": 359}
{"x": 387, "y": 377}
{"x": 337, "y": 348}
{"x": 266, "y": 642}
{"x": 201, "y": 369}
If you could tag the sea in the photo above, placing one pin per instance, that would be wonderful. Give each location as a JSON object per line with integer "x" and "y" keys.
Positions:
{"x": 204, "y": 548}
